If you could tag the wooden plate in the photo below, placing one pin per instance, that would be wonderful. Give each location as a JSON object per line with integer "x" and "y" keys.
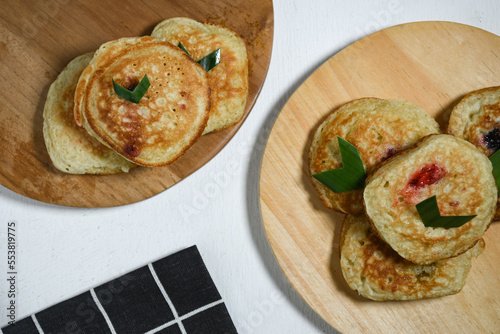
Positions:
{"x": 432, "y": 64}
{"x": 38, "y": 39}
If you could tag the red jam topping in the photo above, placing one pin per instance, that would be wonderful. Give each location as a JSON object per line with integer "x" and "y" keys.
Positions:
{"x": 389, "y": 153}
{"x": 132, "y": 150}
{"x": 132, "y": 86}
{"x": 131, "y": 83}
{"x": 491, "y": 140}
{"x": 426, "y": 176}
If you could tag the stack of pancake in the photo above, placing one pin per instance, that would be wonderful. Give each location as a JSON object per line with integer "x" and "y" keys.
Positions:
{"x": 387, "y": 253}
{"x": 90, "y": 129}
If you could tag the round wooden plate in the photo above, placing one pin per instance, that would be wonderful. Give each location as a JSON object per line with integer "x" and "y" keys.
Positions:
{"x": 432, "y": 64}
{"x": 38, "y": 39}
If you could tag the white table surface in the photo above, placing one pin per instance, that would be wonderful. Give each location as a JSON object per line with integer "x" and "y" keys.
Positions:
{"x": 62, "y": 251}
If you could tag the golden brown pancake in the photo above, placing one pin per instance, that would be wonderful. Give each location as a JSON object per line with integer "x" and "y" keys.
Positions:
{"x": 377, "y": 272}
{"x": 71, "y": 149}
{"x": 476, "y": 118}
{"x": 228, "y": 80}
{"x": 378, "y": 128}
{"x": 443, "y": 165}
{"x": 167, "y": 120}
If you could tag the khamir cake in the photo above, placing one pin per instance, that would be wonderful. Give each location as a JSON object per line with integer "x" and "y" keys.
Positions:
{"x": 378, "y": 128}
{"x": 450, "y": 168}
{"x": 169, "y": 117}
{"x": 476, "y": 118}
{"x": 71, "y": 149}
{"x": 228, "y": 80}
{"x": 377, "y": 272}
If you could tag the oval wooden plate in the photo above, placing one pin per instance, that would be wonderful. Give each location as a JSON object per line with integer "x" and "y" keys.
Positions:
{"x": 432, "y": 64}
{"x": 38, "y": 39}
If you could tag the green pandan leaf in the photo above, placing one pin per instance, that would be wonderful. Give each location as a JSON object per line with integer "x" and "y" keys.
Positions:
{"x": 431, "y": 217}
{"x": 351, "y": 176}
{"x": 495, "y": 161}
{"x": 135, "y": 95}
{"x": 208, "y": 62}
{"x": 183, "y": 49}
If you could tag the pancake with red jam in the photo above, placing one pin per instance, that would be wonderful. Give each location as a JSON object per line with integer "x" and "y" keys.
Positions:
{"x": 452, "y": 169}
{"x": 168, "y": 119}
{"x": 476, "y": 118}
{"x": 378, "y": 128}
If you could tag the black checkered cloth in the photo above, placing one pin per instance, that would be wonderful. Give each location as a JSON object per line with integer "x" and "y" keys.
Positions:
{"x": 173, "y": 295}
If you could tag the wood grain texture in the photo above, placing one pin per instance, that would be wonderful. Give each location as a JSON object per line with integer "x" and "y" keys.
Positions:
{"x": 432, "y": 64}
{"x": 38, "y": 39}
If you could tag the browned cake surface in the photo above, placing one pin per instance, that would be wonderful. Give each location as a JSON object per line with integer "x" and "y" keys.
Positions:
{"x": 476, "y": 118}
{"x": 168, "y": 119}
{"x": 70, "y": 147}
{"x": 443, "y": 165}
{"x": 378, "y": 128}
{"x": 228, "y": 80}
{"x": 377, "y": 272}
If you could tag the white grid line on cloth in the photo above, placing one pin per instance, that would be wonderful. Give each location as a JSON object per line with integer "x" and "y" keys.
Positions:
{"x": 159, "y": 328}
{"x": 185, "y": 316}
{"x": 167, "y": 298}
{"x": 103, "y": 311}
{"x": 37, "y": 324}
{"x": 201, "y": 309}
